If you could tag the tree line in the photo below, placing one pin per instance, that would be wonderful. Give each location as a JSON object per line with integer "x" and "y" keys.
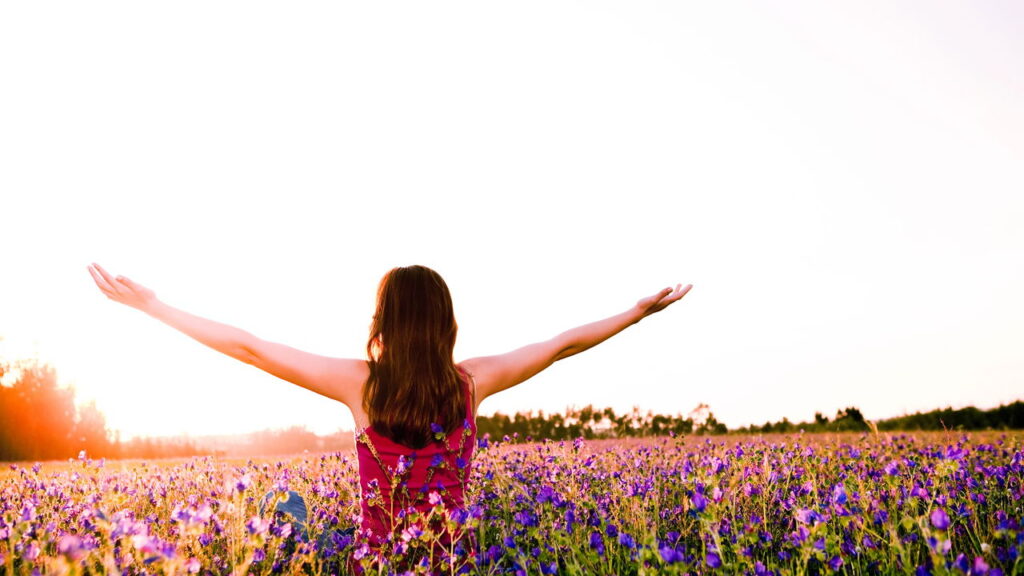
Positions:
{"x": 590, "y": 423}
{"x": 1004, "y": 417}
{"x": 39, "y": 420}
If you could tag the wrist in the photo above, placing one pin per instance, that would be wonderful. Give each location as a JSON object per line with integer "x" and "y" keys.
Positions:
{"x": 154, "y": 307}
{"x": 636, "y": 314}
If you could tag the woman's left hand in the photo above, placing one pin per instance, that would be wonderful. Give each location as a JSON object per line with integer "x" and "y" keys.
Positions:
{"x": 662, "y": 300}
{"x": 122, "y": 290}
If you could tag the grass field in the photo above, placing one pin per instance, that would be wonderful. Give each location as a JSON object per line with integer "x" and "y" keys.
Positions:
{"x": 798, "y": 504}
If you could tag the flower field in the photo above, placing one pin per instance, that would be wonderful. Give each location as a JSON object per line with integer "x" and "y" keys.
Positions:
{"x": 855, "y": 504}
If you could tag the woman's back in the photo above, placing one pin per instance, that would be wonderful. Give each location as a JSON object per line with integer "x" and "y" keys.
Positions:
{"x": 396, "y": 481}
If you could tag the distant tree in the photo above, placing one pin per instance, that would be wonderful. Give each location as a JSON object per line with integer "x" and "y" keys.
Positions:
{"x": 849, "y": 419}
{"x": 711, "y": 425}
{"x": 37, "y": 417}
{"x": 700, "y": 414}
{"x": 90, "y": 431}
{"x": 1010, "y": 416}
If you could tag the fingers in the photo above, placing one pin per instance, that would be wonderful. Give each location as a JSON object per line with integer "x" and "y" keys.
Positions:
{"x": 680, "y": 293}
{"x": 670, "y": 296}
{"x": 114, "y": 288}
{"x": 106, "y": 275}
{"x": 101, "y": 280}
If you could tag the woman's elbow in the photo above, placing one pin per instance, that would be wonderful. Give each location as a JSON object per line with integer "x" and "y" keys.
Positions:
{"x": 248, "y": 353}
{"x": 564, "y": 351}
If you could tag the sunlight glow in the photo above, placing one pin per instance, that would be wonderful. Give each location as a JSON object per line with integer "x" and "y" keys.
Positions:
{"x": 841, "y": 183}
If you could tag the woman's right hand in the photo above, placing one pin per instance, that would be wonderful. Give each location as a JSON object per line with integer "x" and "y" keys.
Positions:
{"x": 122, "y": 290}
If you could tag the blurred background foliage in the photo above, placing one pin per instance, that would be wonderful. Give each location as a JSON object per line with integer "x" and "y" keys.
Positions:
{"x": 40, "y": 420}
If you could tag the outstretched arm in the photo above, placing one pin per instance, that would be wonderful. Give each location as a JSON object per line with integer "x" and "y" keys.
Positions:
{"x": 496, "y": 373}
{"x": 335, "y": 378}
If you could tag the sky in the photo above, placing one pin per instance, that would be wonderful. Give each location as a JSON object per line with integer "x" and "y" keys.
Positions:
{"x": 841, "y": 183}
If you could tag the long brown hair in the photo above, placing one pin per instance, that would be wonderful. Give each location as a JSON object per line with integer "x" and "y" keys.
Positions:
{"x": 413, "y": 380}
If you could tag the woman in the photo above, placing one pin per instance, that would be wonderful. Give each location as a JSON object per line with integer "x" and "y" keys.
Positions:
{"x": 413, "y": 406}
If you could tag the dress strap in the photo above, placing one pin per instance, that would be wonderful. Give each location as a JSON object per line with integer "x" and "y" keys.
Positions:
{"x": 472, "y": 390}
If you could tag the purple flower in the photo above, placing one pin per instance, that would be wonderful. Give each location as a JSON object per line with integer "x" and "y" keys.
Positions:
{"x": 806, "y": 516}
{"x": 460, "y": 516}
{"x": 699, "y": 501}
{"x": 437, "y": 429}
{"x": 243, "y": 483}
{"x": 627, "y": 540}
{"x": 28, "y": 512}
{"x": 800, "y": 535}
{"x": 570, "y": 519}
{"x": 955, "y": 453}
{"x": 153, "y": 546}
{"x": 403, "y": 464}
{"x": 546, "y": 494}
{"x": 939, "y": 518}
{"x": 713, "y": 560}
{"x": 835, "y": 563}
{"x": 670, "y": 555}
{"x": 839, "y": 494}
{"x": 980, "y": 567}
{"x": 597, "y": 543}
{"x": 257, "y": 525}
{"x": 528, "y": 518}
{"x": 283, "y": 529}
{"x": 940, "y": 546}
{"x": 411, "y": 533}
{"x": 72, "y": 546}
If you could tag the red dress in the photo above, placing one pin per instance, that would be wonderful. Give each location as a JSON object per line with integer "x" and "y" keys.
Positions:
{"x": 396, "y": 482}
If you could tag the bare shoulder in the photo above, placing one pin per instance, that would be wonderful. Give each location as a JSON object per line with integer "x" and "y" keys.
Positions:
{"x": 472, "y": 367}
{"x": 476, "y": 368}
{"x": 493, "y": 374}
{"x": 341, "y": 379}
{"x": 349, "y": 369}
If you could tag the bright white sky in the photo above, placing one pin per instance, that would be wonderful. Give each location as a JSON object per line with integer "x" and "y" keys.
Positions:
{"x": 842, "y": 183}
